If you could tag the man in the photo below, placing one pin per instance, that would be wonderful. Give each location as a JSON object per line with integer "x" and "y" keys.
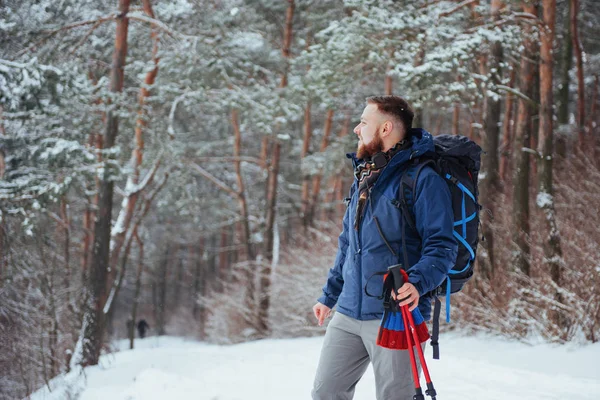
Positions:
{"x": 386, "y": 147}
{"x": 142, "y": 326}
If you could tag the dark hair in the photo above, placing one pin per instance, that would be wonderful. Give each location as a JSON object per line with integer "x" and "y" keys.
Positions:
{"x": 395, "y": 106}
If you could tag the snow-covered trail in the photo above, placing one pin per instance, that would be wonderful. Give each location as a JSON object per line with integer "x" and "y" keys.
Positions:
{"x": 471, "y": 368}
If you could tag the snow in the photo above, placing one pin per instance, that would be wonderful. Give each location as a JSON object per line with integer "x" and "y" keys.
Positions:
{"x": 470, "y": 368}
{"x": 111, "y": 296}
{"x": 250, "y": 41}
{"x": 544, "y": 199}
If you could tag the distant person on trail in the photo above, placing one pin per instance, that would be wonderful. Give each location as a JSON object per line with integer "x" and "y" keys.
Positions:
{"x": 370, "y": 242}
{"x": 142, "y": 326}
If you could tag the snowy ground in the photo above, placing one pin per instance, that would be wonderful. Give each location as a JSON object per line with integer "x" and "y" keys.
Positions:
{"x": 471, "y": 368}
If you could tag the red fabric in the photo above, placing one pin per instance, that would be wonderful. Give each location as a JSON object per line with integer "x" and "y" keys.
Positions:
{"x": 394, "y": 340}
{"x": 422, "y": 332}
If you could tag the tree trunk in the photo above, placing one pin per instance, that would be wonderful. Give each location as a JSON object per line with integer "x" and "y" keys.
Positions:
{"x": 574, "y": 11}
{"x": 265, "y": 277}
{"x": 95, "y": 141}
{"x": 93, "y": 323}
{"x": 178, "y": 278}
{"x": 592, "y": 123}
{"x": 3, "y": 248}
{"x": 545, "y": 201}
{"x": 87, "y": 238}
{"x": 223, "y": 259}
{"x": 306, "y": 178}
{"x": 200, "y": 287}
{"x": 489, "y": 181}
{"x": 567, "y": 55}
{"x": 474, "y": 119}
{"x": 237, "y": 150}
{"x": 334, "y": 181}
{"x": 339, "y": 183}
{"x": 264, "y": 150}
{"x": 316, "y": 188}
{"x": 418, "y": 61}
{"x": 535, "y": 132}
{"x": 233, "y": 253}
{"x": 507, "y": 127}
{"x": 161, "y": 292}
{"x": 138, "y": 287}
{"x": 339, "y": 198}
{"x": 250, "y": 256}
{"x": 64, "y": 215}
{"x": 520, "y": 222}
{"x": 456, "y": 119}
{"x": 129, "y": 202}
{"x": 211, "y": 263}
{"x": 3, "y": 258}
{"x": 388, "y": 82}
{"x": 287, "y": 41}
{"x": 438, "y": 124}
{"x": 272, "y": 179}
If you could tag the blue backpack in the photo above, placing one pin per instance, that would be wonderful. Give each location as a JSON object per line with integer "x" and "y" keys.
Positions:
{"x": 457, "y": 159}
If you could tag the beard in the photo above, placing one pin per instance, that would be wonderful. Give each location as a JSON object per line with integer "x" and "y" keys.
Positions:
{"x": 369, "y": 150}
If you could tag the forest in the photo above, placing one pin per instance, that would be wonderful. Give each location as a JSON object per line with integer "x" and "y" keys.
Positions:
{"x": 184, "y": 162}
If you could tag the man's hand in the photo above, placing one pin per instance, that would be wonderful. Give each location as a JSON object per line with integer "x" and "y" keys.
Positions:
{"x": 321, "y": 312}
{"x": 409, "y": 294}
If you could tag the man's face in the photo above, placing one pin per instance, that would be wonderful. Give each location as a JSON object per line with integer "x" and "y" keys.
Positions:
{"x": 368, "y": 131}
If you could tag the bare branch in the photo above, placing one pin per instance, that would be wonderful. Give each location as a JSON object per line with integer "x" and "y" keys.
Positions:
{"x": 149, "y": 200}
{"x": 252, "y": 160}
{"x": 531, "y": 151}
{"x": 86, "y": 36}
{"x": 215, "y": 180}
{"x": 58, "y": 219}
{"x": 458, "y": 7}
{"x": 518, "y": 94}
{"x": 95, "y": 22}
{"x": 156, "y": 24}
{"x": 147, "y": 179}
{"x": 514, "y": 18}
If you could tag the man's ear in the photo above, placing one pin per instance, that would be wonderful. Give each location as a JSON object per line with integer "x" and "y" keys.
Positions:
{"x": 387, "y": 128}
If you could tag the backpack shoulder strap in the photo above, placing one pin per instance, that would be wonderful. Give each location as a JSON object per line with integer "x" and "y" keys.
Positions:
{"x": 408, "y": 187}
{"x": 408, "y": 184}
{"x": 348, "y": 199}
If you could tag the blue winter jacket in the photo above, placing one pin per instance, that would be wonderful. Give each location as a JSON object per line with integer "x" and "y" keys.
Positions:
{"x": 431, "y": 249}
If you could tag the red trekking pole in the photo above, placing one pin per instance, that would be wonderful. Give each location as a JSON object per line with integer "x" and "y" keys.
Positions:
{"x": 414, "y": 341}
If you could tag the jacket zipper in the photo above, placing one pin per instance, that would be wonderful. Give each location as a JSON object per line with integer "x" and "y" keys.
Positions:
{"x": 359, "y": 253}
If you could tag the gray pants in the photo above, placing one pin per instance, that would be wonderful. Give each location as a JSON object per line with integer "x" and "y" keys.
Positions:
{"x": 348, "y": 347}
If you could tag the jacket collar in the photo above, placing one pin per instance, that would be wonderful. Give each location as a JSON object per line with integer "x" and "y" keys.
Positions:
{"x": 422, "y": 143}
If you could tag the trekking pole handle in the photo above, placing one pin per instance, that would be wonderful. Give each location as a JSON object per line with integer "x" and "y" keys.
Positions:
{"x": 398, "y": 278}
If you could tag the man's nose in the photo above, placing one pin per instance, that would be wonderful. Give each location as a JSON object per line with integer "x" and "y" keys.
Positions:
{"x": 356, "y": 130}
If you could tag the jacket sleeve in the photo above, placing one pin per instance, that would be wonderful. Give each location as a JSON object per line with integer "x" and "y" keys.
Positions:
{"x": 335, "y": 280}
{"x": 434, "y": 220}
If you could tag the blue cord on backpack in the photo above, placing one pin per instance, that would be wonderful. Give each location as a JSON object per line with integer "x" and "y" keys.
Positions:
{"x": 448, "y": 286}
{"x": 461, "y": 238}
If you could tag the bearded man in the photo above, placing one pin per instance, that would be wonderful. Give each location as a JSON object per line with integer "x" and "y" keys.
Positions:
{"x": 370, "y": 242}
